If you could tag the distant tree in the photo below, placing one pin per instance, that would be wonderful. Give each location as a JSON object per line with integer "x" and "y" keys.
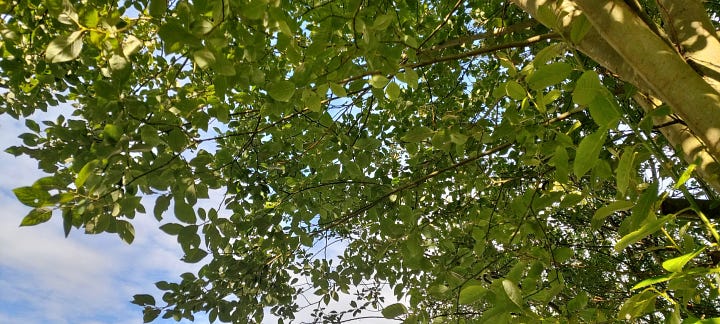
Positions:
{"x": 487, "y": 160}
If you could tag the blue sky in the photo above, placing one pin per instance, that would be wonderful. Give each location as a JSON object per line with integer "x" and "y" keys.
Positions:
{"x": 46, "y": 278}
{"x": 83, "y": 279}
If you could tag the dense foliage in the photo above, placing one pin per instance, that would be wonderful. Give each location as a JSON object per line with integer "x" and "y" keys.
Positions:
{"x": 478, "y": 162}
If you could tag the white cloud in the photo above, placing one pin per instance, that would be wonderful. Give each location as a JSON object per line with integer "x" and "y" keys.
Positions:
{"x": 46, "y": 278}
{"x": 87, "y": 279}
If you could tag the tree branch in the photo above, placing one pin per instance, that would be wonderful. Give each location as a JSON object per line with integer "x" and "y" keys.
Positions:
{"x": 454, "y": 57}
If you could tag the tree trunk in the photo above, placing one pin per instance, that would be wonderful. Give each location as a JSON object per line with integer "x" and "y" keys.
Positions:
{"x": 623, "y": 43}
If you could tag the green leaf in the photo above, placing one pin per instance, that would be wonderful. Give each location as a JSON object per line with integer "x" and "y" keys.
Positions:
{"x": 255, "y": 9}
{"x": 548, "y": 75}
{"x": 176, "y": 140}
{"x": 652, "y": 281}
{"x": 125, "y": 230}
{"x": 394, "y": 310}
{"x": 65, "y": 48}
{"x": 604, "y": 212}
{"x": 411, "y": 78}
{"x": 642, "y": 211}
{"x": 647, "y": 229}
{"x": 685, "y": 176}
{"x": 194, "y": 255}
{"x": 458, "y": 139}
{"x": 131, "y": 45}
{"x": 579, "y": 28}
{"x": 563, "y": 254}
{"x": 150, "y": 314}
{"x": 513, "y": 292}
{"x": 171, "y": 228}
{"x": 312, "y": 100}
{"x": 625, "y": 169}
{"x": 588, "y": 151}
{"x": 281, "y": 90}
{"x": 438, "y": 290}
{"x": 471, "y": 294}
{"x": 549, "y": 52}
{"x": 392, "y": 91}
{"x": 31, "y": 196}
{"x": 378, "y": 81}
{"x": 560, "y": 161}
{"x": 677, "y": 264}
{"x": 118, "y": 62}
{"x": 604, "y": 110}
{"x": 338, "y": 90}
{"x": 32, "y": 125}
{"x": 383, "y": 21}
{"x": 514, "y": 90}
{"x": 638, "y": 305}
{"x": 157, "y": 8}
{"x": 587, "y": 87}
{"x": 90, "y": 18}
{"x": 85, "y": 172}
{"x": 112, "y": 133}
{"x": 143, "y": 299}
{"x": 204, "y": 58}
{"x": 184, "y": 212}
{"x": 417, "y": 134}
{"x": 37, "y": 216}
{"x": 161, "y": 205}
{"x": 579, "y": 302}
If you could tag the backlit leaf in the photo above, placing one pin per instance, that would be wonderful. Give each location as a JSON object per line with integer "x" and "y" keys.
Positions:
{"x": 281, "y": 90}
{"x": 392, "y": 91}
{"x": 65, "y": 48}
{"x": 647, "y": 229}
{"x": 471, "y": 294}
{"x": 394, "y": 310}
{"x": 548, "y": 75}
{"x": 652, "y": 281}
{"x": 624, "y": 171}
{"x": 588, "y": 151}
{"x": 677, "y": 264}
{"x": 587, "y": 87}
{"x": 378, "y": 81}
{"x": 417, "y": 134}
{"x": 513, "y": 292}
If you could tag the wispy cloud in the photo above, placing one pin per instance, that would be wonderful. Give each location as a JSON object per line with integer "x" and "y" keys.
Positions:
{"x": 46, "y": 278}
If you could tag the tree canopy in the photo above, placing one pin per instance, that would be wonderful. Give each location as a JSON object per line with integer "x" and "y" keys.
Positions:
{"x": 489, "y": 161}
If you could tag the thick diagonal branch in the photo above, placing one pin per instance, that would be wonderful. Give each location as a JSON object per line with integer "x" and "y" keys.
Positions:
{"x": 596, "y": 47}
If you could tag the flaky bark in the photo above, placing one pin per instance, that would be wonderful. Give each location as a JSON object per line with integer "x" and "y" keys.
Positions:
{"x": 621, "y": 42}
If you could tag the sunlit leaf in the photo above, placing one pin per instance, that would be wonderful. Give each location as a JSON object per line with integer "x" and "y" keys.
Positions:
{"x": 647, "y": 229}
{"x": 31, "y": 196}
{"x": 37, "y": 216}
{"x": 677, "y": 264}
{"x": 652, "y": 281}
